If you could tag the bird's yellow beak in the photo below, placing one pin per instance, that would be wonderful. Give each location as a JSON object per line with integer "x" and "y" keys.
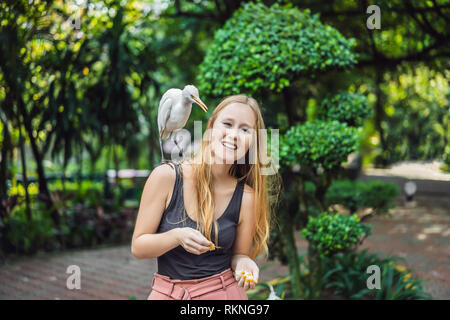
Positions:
{"x": 200, "y": 103}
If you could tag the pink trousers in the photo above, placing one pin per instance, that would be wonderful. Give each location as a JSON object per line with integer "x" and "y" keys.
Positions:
{"x": 221, "y": 286}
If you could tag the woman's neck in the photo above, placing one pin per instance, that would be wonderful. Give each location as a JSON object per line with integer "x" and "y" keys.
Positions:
{"x": 220, "y": 172}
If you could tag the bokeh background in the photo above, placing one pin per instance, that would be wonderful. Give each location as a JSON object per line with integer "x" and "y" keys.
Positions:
{"x": 362, "y": 112}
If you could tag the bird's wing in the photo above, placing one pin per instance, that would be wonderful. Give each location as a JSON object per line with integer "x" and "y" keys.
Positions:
{"x": 164, "y": 109}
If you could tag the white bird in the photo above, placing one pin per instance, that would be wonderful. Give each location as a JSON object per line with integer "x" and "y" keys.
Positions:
{"x": 179, "y": 146}
{"x": 174, "y": 111}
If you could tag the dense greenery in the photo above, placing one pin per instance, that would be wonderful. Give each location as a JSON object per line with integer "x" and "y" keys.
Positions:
{"x": 355, "y": 195}
{"x": 331, "y": 233}
{"x": 267, "y": 48}
{"x": 90, "y": 217}
{"x": 350, "y": 108}
{"x": 346, "y": 277}
{"x": 318, "y": 144}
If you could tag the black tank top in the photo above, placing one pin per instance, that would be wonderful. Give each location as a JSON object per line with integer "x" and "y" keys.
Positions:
{"x": 183, "y": 265}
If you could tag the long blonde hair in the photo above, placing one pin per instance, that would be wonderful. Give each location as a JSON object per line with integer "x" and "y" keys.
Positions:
{"x": 249, "y": 173}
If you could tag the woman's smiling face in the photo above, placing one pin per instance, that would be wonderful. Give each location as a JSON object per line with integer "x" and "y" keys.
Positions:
{"x": 232, "y": 133}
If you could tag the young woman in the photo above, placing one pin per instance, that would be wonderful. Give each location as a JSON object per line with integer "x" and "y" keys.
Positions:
{"x": 207, "y": 218}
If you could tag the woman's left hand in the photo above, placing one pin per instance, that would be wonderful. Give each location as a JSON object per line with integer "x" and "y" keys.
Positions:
{"x": 243, "y": 263}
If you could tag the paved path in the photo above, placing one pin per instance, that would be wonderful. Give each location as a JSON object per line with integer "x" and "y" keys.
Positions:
{"x": 420, "y": 234}
{"x": 108, "y": 273}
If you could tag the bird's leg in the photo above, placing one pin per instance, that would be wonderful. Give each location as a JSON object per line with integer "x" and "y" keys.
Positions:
{"x": 180, "y": 153}
{"x": 162, "y": 152}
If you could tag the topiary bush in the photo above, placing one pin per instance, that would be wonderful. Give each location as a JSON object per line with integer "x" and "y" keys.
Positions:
{"x": 351, "y": 108}
{"x": 269, "y": 47}
{"x": 318, "y": 144}
{"x": 329, "y": 233}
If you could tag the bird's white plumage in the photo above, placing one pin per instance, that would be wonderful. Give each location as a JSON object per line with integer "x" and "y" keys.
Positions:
{"x": 163, "y": 115}
{"x": 173, "y": 112}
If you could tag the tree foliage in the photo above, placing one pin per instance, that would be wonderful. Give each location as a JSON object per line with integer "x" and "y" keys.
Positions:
{"x": 318, "y": 144}
{"x": 267, "y": 48}
{"x": 350, "y": 108}
{"x": 332, "y": 233}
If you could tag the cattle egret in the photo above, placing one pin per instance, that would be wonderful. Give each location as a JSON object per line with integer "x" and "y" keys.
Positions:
{"x": 178, "y": 143}
{"x": 174, "y": 111}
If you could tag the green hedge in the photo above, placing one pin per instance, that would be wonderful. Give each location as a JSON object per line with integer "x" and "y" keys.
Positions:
{"x": 355, "y": 195}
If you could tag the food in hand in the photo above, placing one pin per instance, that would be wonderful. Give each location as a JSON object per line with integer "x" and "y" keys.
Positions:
{"x": 212, "y": 247}
{"x": 248, "y": 276}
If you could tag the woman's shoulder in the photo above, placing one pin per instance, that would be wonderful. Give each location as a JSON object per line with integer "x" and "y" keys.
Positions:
{"x": 248, "y": 189}
{"x": 248, "y": 196}
{"x": 164, "y": 171}
{"x": 163, "y": 176}
{"x": 247, "y": 204}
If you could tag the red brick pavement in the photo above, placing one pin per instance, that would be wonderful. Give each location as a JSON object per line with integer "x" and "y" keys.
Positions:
{"x": 107, "y": 273}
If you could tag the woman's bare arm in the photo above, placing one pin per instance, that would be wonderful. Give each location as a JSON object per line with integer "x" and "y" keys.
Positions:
{"x": 240, "y": 261}
{"x": 146, "y": 243}
{"x": 247, "y": 224}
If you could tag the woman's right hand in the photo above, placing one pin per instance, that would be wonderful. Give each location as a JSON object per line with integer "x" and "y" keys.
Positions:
{"x": 192, "y": 240}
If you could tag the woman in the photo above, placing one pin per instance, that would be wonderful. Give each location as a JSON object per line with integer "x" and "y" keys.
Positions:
{"x": 223, "y": 222}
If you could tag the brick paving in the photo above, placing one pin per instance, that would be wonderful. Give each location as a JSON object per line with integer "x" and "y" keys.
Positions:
{"x": 106, "y": 273}
{"x": 420, "y": 233}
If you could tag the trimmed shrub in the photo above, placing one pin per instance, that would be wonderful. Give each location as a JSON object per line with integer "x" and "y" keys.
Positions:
{"x": 329, "y": 233}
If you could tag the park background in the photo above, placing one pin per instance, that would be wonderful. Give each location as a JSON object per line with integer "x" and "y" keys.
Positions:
{"x": 360, "y": 112}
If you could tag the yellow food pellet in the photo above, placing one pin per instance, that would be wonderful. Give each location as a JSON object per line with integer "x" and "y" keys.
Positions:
{"x": 212, "y": 247}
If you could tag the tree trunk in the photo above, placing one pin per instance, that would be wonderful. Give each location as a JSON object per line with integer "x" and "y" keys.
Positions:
{"x": 6, "y": 149}
{"x": 315, "y": 273}
{"x": 380, "y": 114}
{"x": 303, "y": 205}
{"x": 24, "y": 172}
{"x": 116, "y": 165}
{"x": 287, "y": 234}
{"x": 321, "y": 190}
{"x": 43, "y": 188}
{"x": 79, "y": 158}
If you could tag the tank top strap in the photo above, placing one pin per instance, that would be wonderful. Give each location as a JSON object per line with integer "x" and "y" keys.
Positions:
{"x": 179, "y": 177}
{"x": 176, "y": 188}
{"x": 237, "y": 200}
{"x": 177, "y": 173}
